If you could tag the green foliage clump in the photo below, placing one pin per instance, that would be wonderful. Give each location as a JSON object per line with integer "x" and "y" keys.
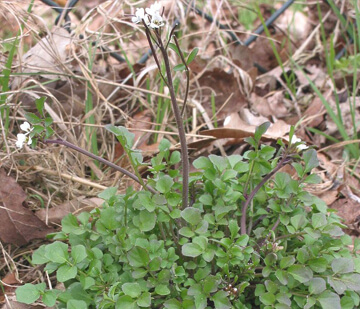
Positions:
{"x": 252, "y": 237}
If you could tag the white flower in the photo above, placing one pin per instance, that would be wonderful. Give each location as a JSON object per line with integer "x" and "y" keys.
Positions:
{"x": 299, "y": 147}
{"x": 156, "y": 21}
{"x": 139, "y": 16}
{"x": 26, "y": 127}
{"x": 151, "y": 16}
{"x": 21, "y": 137}
{"x": 154, "y": 9}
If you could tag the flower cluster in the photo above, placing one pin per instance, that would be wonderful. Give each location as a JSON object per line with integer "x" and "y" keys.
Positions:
{"x": 24, "y": 137}
{"x": 151, "y": 16}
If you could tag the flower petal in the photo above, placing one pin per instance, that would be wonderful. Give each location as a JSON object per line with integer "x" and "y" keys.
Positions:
{"x": 25, "y": 126}
{"x": 21, "y": 138}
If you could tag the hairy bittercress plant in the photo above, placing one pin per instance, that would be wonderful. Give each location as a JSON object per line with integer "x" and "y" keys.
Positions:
{"x": 141, "y": 250}
{"x": 246, "y": 236}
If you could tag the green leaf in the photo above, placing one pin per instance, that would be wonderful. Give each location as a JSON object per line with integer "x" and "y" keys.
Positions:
{"x": 267, "y": 298}
{"x": 221, "y": 300}
{"x": 300, "y": 273}
{"x": 57, "y": 252}
{"x": 298, "y": 221}
{"x": 164, "y": 184}
{"x": 243, "y": 240}
{"x": 32, "y": 118}
{"x": 192, "y": 55}
{"x": 138, "y": 257}
{"x": 126, "y": 302}
{"x": 39, "y": 103}
{"x": 147, "y": 221}
{"x": 260, "y": 130}
{"x": 66, "y": 272}
{"x": 78, "y": 253}
{"x": 287, "y": 261}
{"x": 186, "y": 231}
{"x": 49, "y": 297}
{"x": 144, "y": 300}
{"x": 352, "y": 281}
{"x": 347, "y": 302}
{"x": 172, "y": 304}
{"x": 312, "y": 179}
{"x": 155, "y": 264}
{"x": 76, "y": 304}
{"x": 70, "y": 224}
{"x": 175, "y": 157}
{"x": 162, "y": 289}
{"x": 132, "y": 289}
{"x": 123, "y": 135}
{"x": 39, "y": 257}
{"x": 174, "y": 48}
{"x": 318, "y": 220}
{"x": 282, "y": 276}
{"x": 233, "y": 228}
{"x": 328, "y": 300}
{"x": 108, "y": 193}
{"x": 310, "y": 159}
{"x": 86, "y": 282}
{"x": 109, "y": 218}
{"x": 48, "y": 121}
{"x": 318, "y": 265}
{"x": 192, "y": 250}
{"x": 270, "y": 259}
{"x": 202, "y": 163}
{"x": 179, "y": 67}
{"x": 29, "y": 293}
{"x": 317, "y": 285}
{"x": 191, "y": 215}
{"x": 221, "y": 163}
{"x": 342, "y": 265}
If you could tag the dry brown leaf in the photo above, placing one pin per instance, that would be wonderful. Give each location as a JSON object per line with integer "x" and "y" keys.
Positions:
{"x": 225, "y": 88}
{"x": 54, "y": 215}
{"x": 9, "y": 284}
{"x": 18, "y": 224}
{"x": 49, "y": 55}
{"x": 276, "y": 131}
{"x": 315, "y": 114}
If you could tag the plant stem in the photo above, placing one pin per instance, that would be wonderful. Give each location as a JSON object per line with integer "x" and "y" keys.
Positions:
{"x": 177, "y": 114}
{"x": 285, "y": 160}
{"x": 106, "y": 162}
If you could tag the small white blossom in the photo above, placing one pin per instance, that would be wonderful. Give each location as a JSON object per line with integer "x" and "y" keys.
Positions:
{"x": 156, "y": 21}
{"x": 139, "y": 15}
{"x": 154, "y": 9}
{"x": 151, "y": 16}
{"x": 26, "y": 127}
{"x": 299, "y": 147}
{"x": 21, "y": 137}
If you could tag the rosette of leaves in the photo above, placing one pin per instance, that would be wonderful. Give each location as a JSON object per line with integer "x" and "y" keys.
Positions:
{"x": 142, "y": 250}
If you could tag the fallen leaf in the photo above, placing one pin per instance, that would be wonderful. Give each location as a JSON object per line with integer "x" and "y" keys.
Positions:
{"x": 49, "y": 55}
{"x": 8, "y": 284}
{"x": 18, "y": 224}
{"x": 277, "y": 130}
{"x": 226, "y": 90}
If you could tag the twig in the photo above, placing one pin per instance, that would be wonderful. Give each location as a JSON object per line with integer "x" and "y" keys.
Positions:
{"x": 102, "y": 160}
